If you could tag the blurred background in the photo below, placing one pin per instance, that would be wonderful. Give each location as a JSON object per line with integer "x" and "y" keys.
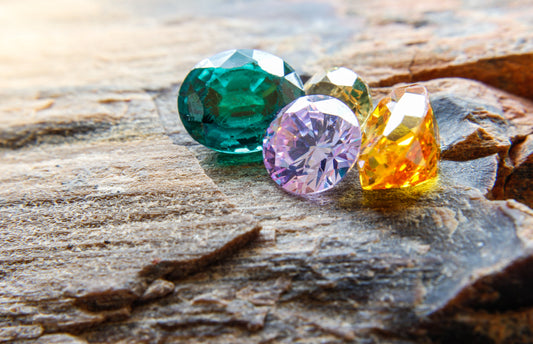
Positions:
{"x": 141, "y": 44}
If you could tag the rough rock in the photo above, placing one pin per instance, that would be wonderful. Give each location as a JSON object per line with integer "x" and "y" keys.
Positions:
{"x": 146, "y": 45}
{"x": 86, "y": 227}
{"x": 518, "y": 184}
{"x": 373, "y": 264}
{"x": 59, "y": 339}
{"x": 112, "y": 234}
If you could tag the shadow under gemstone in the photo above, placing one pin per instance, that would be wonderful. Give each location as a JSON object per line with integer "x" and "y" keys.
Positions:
{"x": 224, "y": 159}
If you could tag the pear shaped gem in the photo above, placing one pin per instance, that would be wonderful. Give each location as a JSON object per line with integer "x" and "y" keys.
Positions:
{"x": 400, "y": 142}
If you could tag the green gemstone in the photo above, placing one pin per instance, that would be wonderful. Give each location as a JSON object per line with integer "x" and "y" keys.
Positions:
{"x": 227, "y": 101}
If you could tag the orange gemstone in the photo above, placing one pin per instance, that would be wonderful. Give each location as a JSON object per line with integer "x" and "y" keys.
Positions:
{"x": 400, "y": 143}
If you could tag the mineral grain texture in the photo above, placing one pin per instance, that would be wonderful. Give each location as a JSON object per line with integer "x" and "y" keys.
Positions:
{"x": 116, "y": 227}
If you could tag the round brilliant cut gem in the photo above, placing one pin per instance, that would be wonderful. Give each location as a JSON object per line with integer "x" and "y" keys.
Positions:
{"x": 227, "y": 101}
{"x": 312, "y": 144}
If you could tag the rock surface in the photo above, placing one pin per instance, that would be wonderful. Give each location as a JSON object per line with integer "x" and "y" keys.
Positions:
{"x": 113, "y": 233}
{"x": 87, "y": 227}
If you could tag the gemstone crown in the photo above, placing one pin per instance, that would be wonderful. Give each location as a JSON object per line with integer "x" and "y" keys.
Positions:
{"x": 311, "y": 144}
{"x": 345, "y": 85}
{"x": 227, "y": 101}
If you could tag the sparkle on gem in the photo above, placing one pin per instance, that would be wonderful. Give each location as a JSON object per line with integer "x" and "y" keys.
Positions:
{"x": 400, "y": 142}
{"x": 227, "y": 101}
{"x": 312, "y": 144}
{"x": 346, "y": 85}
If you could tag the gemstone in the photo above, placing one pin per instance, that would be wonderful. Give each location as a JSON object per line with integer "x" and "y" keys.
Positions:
{"x": 312, "y": 144}
{"x": 346, "y": 85}
{"x": 400, "y": 145}
{"x": 227, "y": 101}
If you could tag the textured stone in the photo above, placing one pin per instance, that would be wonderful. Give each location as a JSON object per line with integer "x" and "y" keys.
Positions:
{"x": 343, "y": 266}
{"x": 343, "y": 84}
{"x": 89, "y": 226}
{"x": 56, "y": 116}
{"x": 228, "y": 100}
{"x": 312, "y": 144}
{"x": 10, "y": 333}
{"x": 59, "y": 339}
{"x": 400, "y": 145}
{"x": 519, "y": 184}
{"x": 157, "y": 289}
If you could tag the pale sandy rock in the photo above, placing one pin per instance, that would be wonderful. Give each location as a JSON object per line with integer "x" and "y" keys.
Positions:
{"x": 86, "y": 227}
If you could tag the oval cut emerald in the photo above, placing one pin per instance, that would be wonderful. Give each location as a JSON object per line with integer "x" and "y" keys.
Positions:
{"x": 227, "y": 101}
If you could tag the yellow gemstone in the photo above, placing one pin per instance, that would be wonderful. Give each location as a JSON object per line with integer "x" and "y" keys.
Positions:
{"x": 345, "y": 85}
{"x": 400, "y": 145}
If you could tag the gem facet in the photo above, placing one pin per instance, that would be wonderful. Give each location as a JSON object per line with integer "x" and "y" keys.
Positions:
{"x": 400, "y": 145}
{"x": 227, "y": 101}
{"x": 312, "y": 144}
{"x": 343, "y": 84}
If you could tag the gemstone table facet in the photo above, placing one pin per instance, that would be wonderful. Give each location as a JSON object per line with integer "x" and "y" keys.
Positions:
{"x": 345, "y": 85}
{"x": 227, "y": 101}
{"x": 311, "y": 144}
{"x": 400, "y": 142}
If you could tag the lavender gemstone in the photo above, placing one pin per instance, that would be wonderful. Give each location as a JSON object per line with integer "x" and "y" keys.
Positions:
{"x": 311, "y": 145}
